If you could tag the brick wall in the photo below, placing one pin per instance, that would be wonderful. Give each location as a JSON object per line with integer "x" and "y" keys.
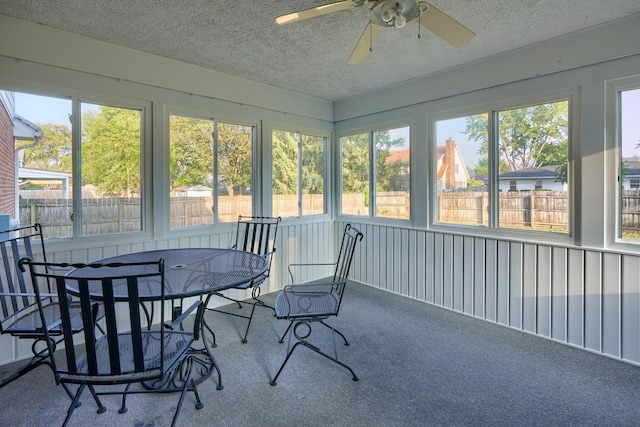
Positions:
{"x": 7, "y": 164}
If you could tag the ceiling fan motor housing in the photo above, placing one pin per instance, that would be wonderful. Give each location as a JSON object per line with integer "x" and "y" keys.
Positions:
{"x": 396, "y": 13}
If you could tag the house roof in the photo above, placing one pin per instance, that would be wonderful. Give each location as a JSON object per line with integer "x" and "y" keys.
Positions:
{"x": 42, "y": 175}
{"x": 398, "y": 156}
{"x": 531, "y": 173}
{"x": 25, "y": 129}
{"x": 241, "y": 38}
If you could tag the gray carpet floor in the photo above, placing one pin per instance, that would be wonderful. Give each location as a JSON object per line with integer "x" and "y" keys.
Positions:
{"x": 418, "y": 366}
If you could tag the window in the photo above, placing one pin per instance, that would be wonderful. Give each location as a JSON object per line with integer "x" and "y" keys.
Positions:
{"x": 103, "y": 194}
{"x": 511, "y": 150}
{"x": 461, "y": 170}
{"x": 299, "y": 174}
{"x": 383, "y": 183}
{"x": 204, "y": 191}
{"x": 629, "y": 163}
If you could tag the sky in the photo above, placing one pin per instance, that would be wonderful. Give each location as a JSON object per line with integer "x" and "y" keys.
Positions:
{"x": 39, "y": 109}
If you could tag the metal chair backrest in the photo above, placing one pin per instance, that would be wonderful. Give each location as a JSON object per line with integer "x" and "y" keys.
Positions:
{"x": 128, "y": 353}
{"x": 16, "y": 292}
{"x": 350, "y": 238}
{"x": 257, "y": 234}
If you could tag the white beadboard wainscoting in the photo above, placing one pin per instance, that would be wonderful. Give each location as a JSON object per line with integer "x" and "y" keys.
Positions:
{"x": 581, "y": 297}
{"x": 585, "y": 298}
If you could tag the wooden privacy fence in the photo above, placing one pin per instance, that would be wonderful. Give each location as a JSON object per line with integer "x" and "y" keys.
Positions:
{"x": 532, "y": 209}
{"x": 526, "y": 209}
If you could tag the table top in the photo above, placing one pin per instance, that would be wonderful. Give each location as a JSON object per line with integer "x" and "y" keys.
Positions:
{"x": 188, "y": 272}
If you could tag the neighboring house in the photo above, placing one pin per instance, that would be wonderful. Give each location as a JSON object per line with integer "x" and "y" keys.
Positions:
{"x": 7, "y": 150}
{"x": 452, "y": 172}
{"x": 631, "y": 173}
{"x": 192, "y": 191}
{"x": 50, "y": 180}
{"x": 543, "y": 178}
{"x": 400, "y": 181}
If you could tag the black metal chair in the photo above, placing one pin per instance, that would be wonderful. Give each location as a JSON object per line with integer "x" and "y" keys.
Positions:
{"x": 130, "y": 351}
{"x": 255, "y": 234}
{"x": 19, "y": 316}
{"x": 314, "y": 302}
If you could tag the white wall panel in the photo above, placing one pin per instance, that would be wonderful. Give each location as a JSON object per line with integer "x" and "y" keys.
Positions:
{"x": 559, "y": 294}
{"x": 491, "y": 276}
{"x": 593, "y": 301}
{"x": 543, "y": 297}
{"x": 468, "y": 254}
{"x": 502, "y": 283}
{"x": 480, "y": 278}
{"x": 630, "y": 319}
{"x": 515, "y": 284}
{"x": 529, "y": 288}
{"x": 611, "y": 314}
{"x": 576, "y": 303}
{"x": 585, "y": 298}
{"x": 457, "y": 272}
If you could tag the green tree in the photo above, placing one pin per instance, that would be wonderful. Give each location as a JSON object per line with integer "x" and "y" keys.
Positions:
{"x": 528, "y": 137}
{"x": 285, "y": 163}
{"x": 53, "y": 153}
{"x": 234, "y": 157}
{"x": 111, "y": 150}
{"x": 355, "y": 164}
{"x": 482, "y": 168}
{"x": 386, "y": 172}
{"x": 191, "y": 148}
{"x": 312, "y": 164}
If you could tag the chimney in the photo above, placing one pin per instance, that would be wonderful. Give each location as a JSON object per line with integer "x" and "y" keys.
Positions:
{"x": 450, "y": 160}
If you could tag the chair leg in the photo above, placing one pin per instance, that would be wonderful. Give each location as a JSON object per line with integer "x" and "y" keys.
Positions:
{"x": 255, "y": 294}
{"x": 281, "y": 340}
{"x": 33, "y": 363}
{"x": 188, "y": 384}
{"x": 123, "y": 407}
{"x": 301, "y": 337}
{"x": 74, "y": 405}
{"x": 101, "y": 408}
{"x": 337, "y": 332}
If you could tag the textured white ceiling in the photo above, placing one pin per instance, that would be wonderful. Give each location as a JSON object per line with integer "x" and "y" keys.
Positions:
{"x": 240, "y": 37}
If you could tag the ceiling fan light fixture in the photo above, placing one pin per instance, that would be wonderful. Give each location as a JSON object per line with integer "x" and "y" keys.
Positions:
{"x": 395, "y": 12}
{"x": 387, "y": 14}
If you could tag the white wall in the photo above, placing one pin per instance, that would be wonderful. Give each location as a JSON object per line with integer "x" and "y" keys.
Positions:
{"x": 580, "y": 289}
{"x": 36, "y": 59}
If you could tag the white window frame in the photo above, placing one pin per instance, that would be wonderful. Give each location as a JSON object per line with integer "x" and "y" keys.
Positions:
{"x": 215, "y": 119}
{"x": 614, "y": 179}
{"x": 372, "y": 170}
{"x": 268, "y": 177}
{"x": 572, "y": 96}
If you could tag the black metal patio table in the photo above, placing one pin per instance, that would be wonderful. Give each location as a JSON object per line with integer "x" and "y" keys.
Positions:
{"x": 192, "y": 272}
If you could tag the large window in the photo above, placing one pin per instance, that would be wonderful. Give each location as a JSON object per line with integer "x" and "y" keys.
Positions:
{"x": 520, "y": 154}
{"x": 378, "y": 187}
{"x": 210, "y": 171}
{"x": 629, "y": 164}
{"x": 102, "y": 194}
{"x": 299, "y": 174}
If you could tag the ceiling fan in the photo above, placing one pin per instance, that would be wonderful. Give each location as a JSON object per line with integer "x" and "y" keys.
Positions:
{"x": 390, "y": 13}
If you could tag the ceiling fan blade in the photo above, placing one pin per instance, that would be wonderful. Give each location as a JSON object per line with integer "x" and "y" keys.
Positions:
{"x": 445, "y": 27}
{"x": 314, "y": 11}
{"x": 363, "y": 47}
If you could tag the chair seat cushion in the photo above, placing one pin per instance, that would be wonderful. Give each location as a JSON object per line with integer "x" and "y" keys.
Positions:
{"x": 176, "y": 344}
{"x": 292, "y": 304}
